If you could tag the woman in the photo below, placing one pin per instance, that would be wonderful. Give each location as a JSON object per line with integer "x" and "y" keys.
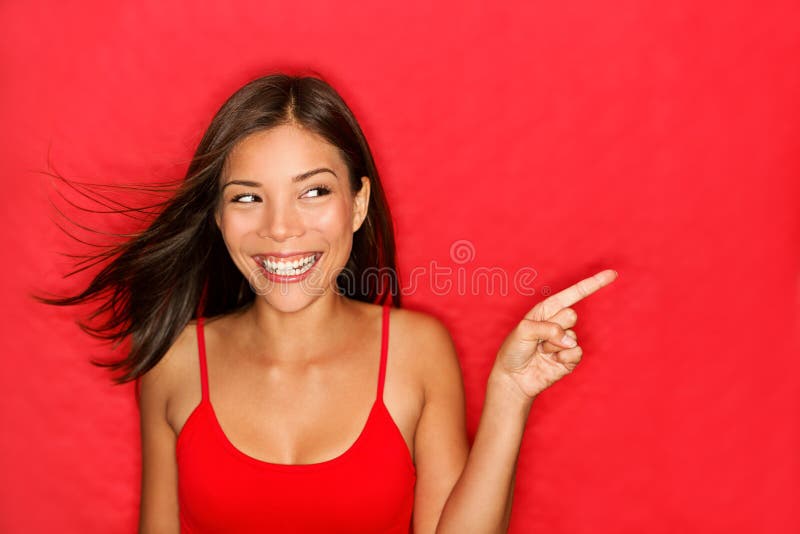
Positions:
{"x": 279, "y": 390}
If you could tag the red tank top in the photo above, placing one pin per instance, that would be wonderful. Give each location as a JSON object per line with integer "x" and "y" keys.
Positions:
{"x": 369, "y": 488}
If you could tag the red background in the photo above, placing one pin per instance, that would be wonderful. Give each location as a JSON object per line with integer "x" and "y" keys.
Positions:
{"x": 659, "y": 140}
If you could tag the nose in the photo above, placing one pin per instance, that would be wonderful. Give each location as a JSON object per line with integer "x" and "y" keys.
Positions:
{"x": 281, "y": 223}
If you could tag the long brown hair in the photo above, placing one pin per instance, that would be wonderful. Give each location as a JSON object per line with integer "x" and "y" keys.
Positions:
{"x": 177, "y": 268}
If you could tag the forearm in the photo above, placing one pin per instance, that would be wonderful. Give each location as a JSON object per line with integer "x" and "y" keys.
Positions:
{"x": 480, "y": 502}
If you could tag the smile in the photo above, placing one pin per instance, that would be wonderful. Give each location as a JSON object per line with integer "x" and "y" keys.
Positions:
{"x": 295, "y": 267}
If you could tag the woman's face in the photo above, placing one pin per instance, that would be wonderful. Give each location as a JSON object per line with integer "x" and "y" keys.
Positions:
{"x": 287, "y": 214}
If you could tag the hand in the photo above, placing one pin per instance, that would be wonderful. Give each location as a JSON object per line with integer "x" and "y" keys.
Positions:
{"x": 535, "y": 354}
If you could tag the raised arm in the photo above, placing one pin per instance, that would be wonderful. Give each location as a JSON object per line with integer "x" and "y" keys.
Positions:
{"x": 541, "y": 350}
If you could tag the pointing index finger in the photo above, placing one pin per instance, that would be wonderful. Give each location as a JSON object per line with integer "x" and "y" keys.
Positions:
{"x": 563, "y": 299}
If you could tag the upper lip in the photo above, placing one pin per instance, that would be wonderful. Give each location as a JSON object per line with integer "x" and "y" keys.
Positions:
{"x": 287, "y": 254}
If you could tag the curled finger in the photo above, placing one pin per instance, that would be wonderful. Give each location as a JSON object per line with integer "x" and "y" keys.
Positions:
{"x": 569, "y": 356}
{"x": 549, "y": 348}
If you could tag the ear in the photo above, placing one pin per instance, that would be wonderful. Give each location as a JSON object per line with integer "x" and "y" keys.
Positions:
{"x": 361, "y": 204}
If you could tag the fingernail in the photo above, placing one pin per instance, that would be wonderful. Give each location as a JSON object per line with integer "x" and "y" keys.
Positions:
{"x": 568, "y": 341}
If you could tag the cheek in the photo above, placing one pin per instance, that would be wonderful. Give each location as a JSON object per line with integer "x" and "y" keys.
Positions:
{"x": 334, "y": 222}
{"x": 232, "y": 225}
{"x": 235, "y": 229}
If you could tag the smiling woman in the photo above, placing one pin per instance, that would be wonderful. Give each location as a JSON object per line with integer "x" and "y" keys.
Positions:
{"x": 241, "y": 291}
{"x": 181, "y": 266}
{"x": 267, "y": 211}
{"x": 273, "y": 397}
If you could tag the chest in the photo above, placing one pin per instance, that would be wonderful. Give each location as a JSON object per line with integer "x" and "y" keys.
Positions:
{"x": 369, "y": 488}
{"x": 303, "y": 415}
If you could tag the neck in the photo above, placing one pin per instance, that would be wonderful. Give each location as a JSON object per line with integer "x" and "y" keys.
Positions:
{"x": 296, "y": 337}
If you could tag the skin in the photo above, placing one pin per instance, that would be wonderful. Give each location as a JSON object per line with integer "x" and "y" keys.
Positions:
{"x": 538, "y": 352}
{"x": 294, "y": 399}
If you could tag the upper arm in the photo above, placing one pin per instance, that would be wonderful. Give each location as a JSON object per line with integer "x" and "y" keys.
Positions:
{"x": 158, "y": 511}
{"x": 441, "y": 445}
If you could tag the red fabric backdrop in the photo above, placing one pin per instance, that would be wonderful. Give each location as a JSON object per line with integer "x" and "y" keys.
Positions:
{"x": 659, "y": 140}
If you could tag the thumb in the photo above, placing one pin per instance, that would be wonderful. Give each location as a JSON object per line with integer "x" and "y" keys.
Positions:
{"x": 535, "y": 331}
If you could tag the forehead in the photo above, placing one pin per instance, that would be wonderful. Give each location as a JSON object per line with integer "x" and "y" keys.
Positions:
{"x": 285, "y": 150}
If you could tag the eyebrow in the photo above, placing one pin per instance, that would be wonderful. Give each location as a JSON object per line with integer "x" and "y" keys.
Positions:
{"x": 295, "y": 179}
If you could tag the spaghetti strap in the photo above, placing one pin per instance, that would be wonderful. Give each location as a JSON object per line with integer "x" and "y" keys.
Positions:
{"x": 220, "y": 484}
{"x": 384, "y": 350}
{"x": 201, "y": 349}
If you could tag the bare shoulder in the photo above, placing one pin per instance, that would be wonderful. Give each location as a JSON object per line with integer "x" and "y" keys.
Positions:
{"x": 159, "y": 497}
{"x": 441, "y": 445}
{"x": 428, "y": 345}
{"x": 160, "y": 384}
{"x": 420, "y": 327}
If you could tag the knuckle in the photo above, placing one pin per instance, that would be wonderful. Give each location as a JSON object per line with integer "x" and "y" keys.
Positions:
{"x": 528, "y": 328}
{"x": 555, "y": 331}
{"x": 539, "y": 310}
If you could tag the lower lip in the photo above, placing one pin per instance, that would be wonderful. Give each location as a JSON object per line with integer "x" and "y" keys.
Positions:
{"x": 289, "y": 279}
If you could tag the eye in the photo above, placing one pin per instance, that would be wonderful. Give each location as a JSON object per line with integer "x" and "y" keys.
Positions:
{"x": 321, "y": 191}
{"x": 244, "y": 195}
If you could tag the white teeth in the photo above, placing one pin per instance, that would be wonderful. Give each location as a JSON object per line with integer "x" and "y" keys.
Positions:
{"x": 290, "y": 268}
